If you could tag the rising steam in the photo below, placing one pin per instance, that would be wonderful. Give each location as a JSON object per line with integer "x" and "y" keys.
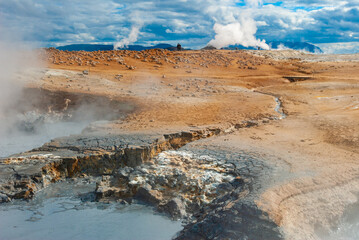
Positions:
{"x": 239, "y": 31}
{"x": 132, "y": 37}
{"x": 12, "y": 61}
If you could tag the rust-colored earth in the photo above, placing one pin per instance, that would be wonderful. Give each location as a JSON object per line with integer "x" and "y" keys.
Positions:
{"x": 316, "y": 145}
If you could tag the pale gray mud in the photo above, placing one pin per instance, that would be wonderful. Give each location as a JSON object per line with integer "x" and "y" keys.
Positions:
{"x": 63, "y": 211}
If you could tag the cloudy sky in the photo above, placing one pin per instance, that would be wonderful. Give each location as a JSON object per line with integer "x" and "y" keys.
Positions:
{"x": 194, "y": 23}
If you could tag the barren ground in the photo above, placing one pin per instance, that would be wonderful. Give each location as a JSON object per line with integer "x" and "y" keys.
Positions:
{"x": 315, "y": 148}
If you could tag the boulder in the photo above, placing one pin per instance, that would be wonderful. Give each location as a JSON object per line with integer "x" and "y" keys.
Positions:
{"x": 175, "y": 207}
{"x": 148, "y": 195}
{"x": 4, "y": 198}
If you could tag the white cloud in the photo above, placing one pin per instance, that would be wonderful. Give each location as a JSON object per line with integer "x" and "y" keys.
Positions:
{"x": 262, "y": 23}
{"x": 253, "y": 3}
{"x": 187, "y": 21}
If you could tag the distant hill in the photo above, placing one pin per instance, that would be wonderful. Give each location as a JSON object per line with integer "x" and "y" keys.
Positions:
{"x": 86, "y": 47}
{"x": 100, "y": 47}
{"x": 301, "y": 46}
{"x": 231, "y": 47}
{"x": 209, "y": 47}
{"x": 296, "y": 46}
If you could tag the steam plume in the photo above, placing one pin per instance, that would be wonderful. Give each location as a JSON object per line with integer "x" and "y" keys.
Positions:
{"x": 14, "y": 59}
{"x": 132, "y": 37}
{"x": 10, "y": 61}
{"x": 238, "y": 31}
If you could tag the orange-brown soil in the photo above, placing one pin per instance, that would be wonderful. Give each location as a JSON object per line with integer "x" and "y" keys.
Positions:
{"x": 175, "y": 88}
{"x": 316, "y": 145}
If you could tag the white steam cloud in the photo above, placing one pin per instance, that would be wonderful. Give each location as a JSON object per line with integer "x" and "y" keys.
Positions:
{"x": 15, "y": 60}
{"x": 11, "y": 61}
{"x": 8, "y": 67}
{"x": 132, "y": 37}
{"x": 239, "y": 30}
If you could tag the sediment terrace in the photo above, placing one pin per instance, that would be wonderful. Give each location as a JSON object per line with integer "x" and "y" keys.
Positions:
{"x": 282, "y": 152}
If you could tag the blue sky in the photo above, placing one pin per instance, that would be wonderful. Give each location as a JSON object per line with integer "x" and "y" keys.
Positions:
{"x": 191, "y": 22}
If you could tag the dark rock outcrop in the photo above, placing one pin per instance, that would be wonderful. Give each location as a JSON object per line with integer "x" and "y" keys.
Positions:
{"x": 231, "y": 217}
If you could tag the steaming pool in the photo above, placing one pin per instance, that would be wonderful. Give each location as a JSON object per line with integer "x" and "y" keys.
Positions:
{"x": 20, "y": 141}
{"x": 59, "y": 211}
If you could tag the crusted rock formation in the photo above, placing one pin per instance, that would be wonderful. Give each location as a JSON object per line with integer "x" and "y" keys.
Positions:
{"x": 178, "y": 183}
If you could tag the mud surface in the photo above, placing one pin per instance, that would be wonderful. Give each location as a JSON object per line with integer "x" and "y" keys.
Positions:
{"x": 64, "y": 211}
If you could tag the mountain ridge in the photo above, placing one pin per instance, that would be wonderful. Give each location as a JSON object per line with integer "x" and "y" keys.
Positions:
{"x": 301, "y": 46}
{"x": 108, "y": 47}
